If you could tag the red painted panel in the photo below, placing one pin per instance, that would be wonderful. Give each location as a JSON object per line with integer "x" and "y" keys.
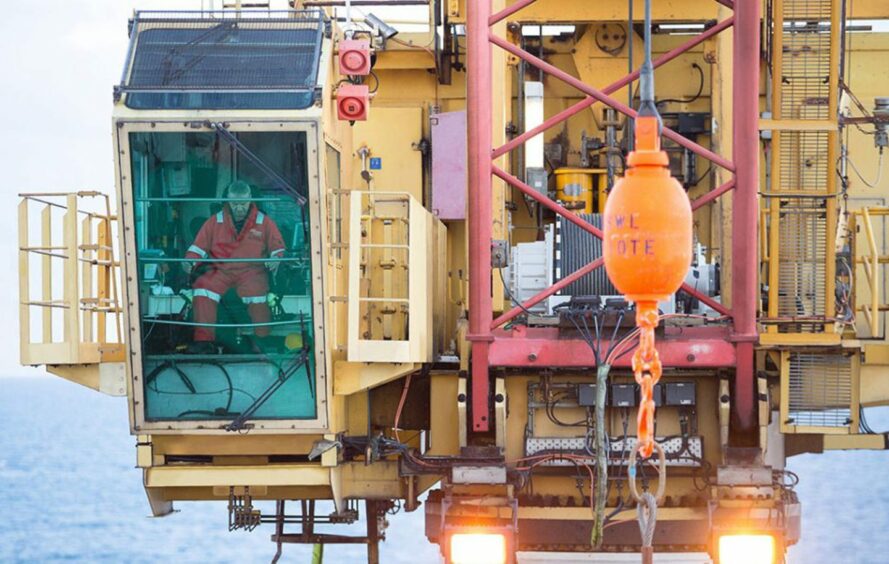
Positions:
{"x": 687, "y": 347}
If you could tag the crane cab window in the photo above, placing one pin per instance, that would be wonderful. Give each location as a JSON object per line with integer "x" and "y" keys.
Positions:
{"x": 224, "y": 275}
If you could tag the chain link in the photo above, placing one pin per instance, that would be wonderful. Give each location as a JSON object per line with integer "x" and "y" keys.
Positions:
{"x": 647, "y": 370}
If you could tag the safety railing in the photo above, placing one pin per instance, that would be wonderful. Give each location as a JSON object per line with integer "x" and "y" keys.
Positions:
{"x": 801, "y": 197}
{"x": 390, "y": 279}
{"x": 871, "y": 259}
{"x": 85, "y": 297}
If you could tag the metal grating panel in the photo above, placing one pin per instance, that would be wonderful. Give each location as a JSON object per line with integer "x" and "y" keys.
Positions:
{"x": 803, "y": 161}
{"x": 802, "y": 269}
{"x": 678, "y": 453}
{"x": 577, "y": 248}
{"x": 803, "y": 183}
{"x": 820, "y": 390}
{"x": 263, "y": 54}
{"x": 805, "y": 71}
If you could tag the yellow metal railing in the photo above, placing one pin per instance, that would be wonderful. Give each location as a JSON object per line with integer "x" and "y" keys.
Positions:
{"x": 871, "y": 260}
{"x": 800, "y": 202}
{"x": 390, "y": 279}
{"x": 83, "y": 243}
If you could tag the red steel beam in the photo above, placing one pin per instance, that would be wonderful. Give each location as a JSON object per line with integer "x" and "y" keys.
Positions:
{"x": 706, "y": 300}
{"x": 506, "y": 12}
{"x": 745, "y": 209}
{"x": 686, "y": 347}
{"x": 545, "y": 293}
{"x": 712, "y": 195}
{"x": 546, "y": 202}
{"x": 611, "y": 88}
{"x": 605, "y": 99}
{"x": 479, "y": 113}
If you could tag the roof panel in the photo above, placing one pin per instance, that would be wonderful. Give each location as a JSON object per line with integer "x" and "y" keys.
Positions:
{"x": 186, "y": 53}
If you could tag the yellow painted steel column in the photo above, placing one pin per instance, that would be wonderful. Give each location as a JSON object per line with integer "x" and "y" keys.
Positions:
{"x": 71, "y": 293}
{"x": 775, "y": 203}
{"x": 24, "y": 289}
{"x": 46, "y": 272}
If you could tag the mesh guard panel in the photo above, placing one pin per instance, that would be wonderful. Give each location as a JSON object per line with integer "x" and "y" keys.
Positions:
{"x": 220, "y": 60}
{"x": 820, "y": 390}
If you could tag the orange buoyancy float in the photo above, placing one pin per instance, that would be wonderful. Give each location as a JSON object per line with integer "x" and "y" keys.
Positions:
{"x": 647, "y": 223}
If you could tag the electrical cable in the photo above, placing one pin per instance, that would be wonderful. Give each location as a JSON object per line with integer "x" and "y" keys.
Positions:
{"x": 509, "y": 294}
{"x": 407, "y": 385}
{"x": 703, "y": 175}
{"x": 412, "y": 46}
{"x": 404, "y": 390}
{"x": 221, "y": 411}
{"x": 377, "y": 85}
{"x": 879, "y": 171}
{"x": 549, "y": 407}
{"x": 694, "y": 97}
{"x": 578, "y": 461}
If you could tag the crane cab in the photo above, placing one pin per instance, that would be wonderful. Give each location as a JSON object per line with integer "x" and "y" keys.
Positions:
{"x": 196, "y": 113}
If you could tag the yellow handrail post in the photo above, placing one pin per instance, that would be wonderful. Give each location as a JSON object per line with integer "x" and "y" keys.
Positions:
{"x": 46, "y": 271}
{"x": 24, "y": 290}
{"x": 873, "y": 272}
{"x": 71, "y": 294}
{"x": 85, "y": 308}
{"x": 104, "y": 278}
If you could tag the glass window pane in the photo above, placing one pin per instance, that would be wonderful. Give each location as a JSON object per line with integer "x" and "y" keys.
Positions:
{"x": 224, "y": 276}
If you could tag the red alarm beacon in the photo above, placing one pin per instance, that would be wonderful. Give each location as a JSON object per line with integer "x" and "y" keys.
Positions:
{"x": 352, "y": 101}
{"x": 354, "y": 57}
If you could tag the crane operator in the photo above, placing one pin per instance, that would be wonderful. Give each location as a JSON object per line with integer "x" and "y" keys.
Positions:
{"x": 239, "y": 230}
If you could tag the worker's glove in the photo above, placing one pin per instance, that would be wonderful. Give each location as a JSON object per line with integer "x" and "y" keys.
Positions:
{"x": 272, "y": 266}
{"x": 187, "y": 266}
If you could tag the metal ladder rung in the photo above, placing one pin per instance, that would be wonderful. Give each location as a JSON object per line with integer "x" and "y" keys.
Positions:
{"x": 97, "y": 309}
{"x": 386, "y": 300}
{"x": 97, "y": 262}
{"x": 45, "y": 253}
{"x": 54, "y": 303}
{"x": 44, "y": 248}
{"x": 384, "y": 246}
{"x": 385, "y": 218}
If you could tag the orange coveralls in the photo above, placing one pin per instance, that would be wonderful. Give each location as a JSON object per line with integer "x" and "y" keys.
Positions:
{"x": 218, "y": 238}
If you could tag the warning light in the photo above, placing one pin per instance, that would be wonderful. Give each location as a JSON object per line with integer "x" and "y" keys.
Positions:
{"x": 477, "y": 548}
{"x": 746, "y": 549}
{"x": 354, "y": 57}
{"x": 352, "y": 101}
